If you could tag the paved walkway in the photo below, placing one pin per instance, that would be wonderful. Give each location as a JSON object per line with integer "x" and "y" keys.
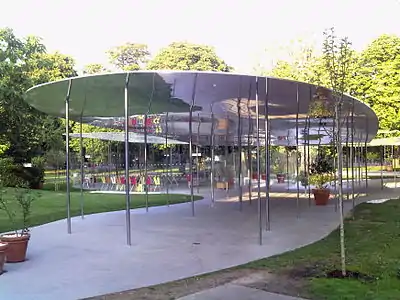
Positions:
{"x": 236, "y": 292}
{"x": 168, "y": 244}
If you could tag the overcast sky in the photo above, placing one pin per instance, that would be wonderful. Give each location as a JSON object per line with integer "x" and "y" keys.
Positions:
{"x": 240, "y": 30}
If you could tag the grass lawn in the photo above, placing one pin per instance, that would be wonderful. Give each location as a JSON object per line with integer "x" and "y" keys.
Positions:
{"x": 373, "y": 245}
{"x": 51, "y": 205}
{"x": 373, "y": 248}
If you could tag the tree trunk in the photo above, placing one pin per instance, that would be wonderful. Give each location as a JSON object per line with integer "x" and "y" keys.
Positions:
{"x": 340, "y": 185}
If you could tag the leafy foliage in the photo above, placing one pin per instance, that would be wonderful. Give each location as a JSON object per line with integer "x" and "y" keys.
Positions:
{"x": 186, "y": 56}
{"x": 24, "y": 63}
{"x": 129, "y": 57}
{"x": 94, "y": 69}
{"x": 373, "y": 75}
{"x": 94, "y": 147}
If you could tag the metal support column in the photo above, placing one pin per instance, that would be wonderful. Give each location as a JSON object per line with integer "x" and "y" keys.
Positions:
{"x": 267, "y": 158}
{"x": 297, "y": 152}
{"x": 258, "y": 163}
{"x": 382, "y": 159}
{"x": 191, "y": 142}
{"x": 212, "y": 177}
{"x": 239, "y": 139}
{"x": 67, "y": 156}
{"x": 82, "y": 160}
{"x": 146, "y": 180}
{"x": 197, "y": 155}
{"x": 126, "y": 135}
{"x": 353, "y": 200}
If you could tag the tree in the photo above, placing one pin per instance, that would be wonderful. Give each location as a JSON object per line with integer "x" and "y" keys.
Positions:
{"x": 24, "y": 63}
{"x": 186, "y": 56}
{"x": 95, "y": 69}
{"x": 337, "y": 57}
{"x": 94, "y": 147}
{"x": 377, "y": 80}
{"x": 129, "y": 57}
{"x": 374, "y": 77}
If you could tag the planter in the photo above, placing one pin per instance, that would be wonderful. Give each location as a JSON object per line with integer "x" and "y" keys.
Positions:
{"x": 280, "y": 178}
{"x": 224, "y": 185}
{"x": 17, "y": 246}
{"x": 3, "y": 248}
{"x": 321, "y": 196}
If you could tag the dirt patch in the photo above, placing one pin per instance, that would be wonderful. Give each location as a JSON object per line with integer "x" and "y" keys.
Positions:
{"x": 350, "y": 275}
{"x": 259, "y": 279}
{"x": 177, "y": 289}
{"x": 280, "y": 283}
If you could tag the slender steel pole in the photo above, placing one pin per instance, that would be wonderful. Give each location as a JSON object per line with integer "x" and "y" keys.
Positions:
{"x": 395, "y": 168}
{"x": 305, "y": 138}
{"x": 249, "y": 148}
{"x": 191, "y": 141}
{"x": 227, "y": 154}
{"x": 365, "y": 160}
{"x": 308, "y": 161}
{"x": 382, "y": 162}
{"x": 347, "y": 157}
{"x": 258, "y": 165}
{"x": 394, "y": 175}
{"x": 212, "y": 177}
{"x": 353, "y": 200}
{"x": 239, "y": 133}
{"x": 267, "y": 158}
{"x": 127, "y": 192}
{"x": 197, "y": 154}
{"x": 287, "y": 164}
{"x": 67, "y": 155}
{"x": 109, "y": 160}
{"x": 297, "y": 152}
{"x": 167, "y": 148}
{"x": 359, "y": 164}
{"x": 145, "y": 165}
{"x": 82, "y": 161}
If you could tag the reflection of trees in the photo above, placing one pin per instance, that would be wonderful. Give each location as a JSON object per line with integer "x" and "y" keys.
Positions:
{"x": 151, "y": 90}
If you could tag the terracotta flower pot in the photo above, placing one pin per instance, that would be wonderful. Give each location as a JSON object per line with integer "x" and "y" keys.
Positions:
{"x": 17, "y": 246}
{"x": 321, "y": 196}
{"x": 3, "y": 248}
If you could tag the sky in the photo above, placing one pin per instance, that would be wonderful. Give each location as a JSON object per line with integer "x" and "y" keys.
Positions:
{"x": 245, "y": 33}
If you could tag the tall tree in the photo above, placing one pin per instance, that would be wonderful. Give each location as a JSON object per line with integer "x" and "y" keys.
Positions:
{"x": 377, "y": 80}
{"x": 24, "y": 63}
{"x": 337, "y": 57}
{"x": 187, "y": 56}
{"x": 94, "y": 69}
{"x": 94, "y": 147}
{"x": 129, "y": 57}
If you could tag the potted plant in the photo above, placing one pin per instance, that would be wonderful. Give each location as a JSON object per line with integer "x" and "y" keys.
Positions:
{"x": 3, "y": 248}
{"x": 17, "y": 241}
{"x": 321, "y": 191}
{"x": 321, "y": 175}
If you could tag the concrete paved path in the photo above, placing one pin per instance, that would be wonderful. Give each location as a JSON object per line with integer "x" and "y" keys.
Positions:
{"x": 236, "y": 292}
{"x": 168, "y": 244}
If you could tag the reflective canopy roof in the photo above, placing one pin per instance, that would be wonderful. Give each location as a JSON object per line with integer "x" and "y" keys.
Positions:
{"x": 120, "y": 137}
{"x": 225, "y": 103}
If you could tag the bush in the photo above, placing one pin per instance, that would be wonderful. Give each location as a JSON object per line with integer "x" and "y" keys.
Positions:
{"x": 13, "y": 175}
{"x": 32, "y": 176}
{"x": 8, "y": 172}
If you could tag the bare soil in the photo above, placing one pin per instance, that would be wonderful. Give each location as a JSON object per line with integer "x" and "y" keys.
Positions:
{"x": 258, "y": 279}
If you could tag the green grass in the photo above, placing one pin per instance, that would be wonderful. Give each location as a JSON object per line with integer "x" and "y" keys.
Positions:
{"x": 373, "y": 245}
{"x": 51, "y": 205}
